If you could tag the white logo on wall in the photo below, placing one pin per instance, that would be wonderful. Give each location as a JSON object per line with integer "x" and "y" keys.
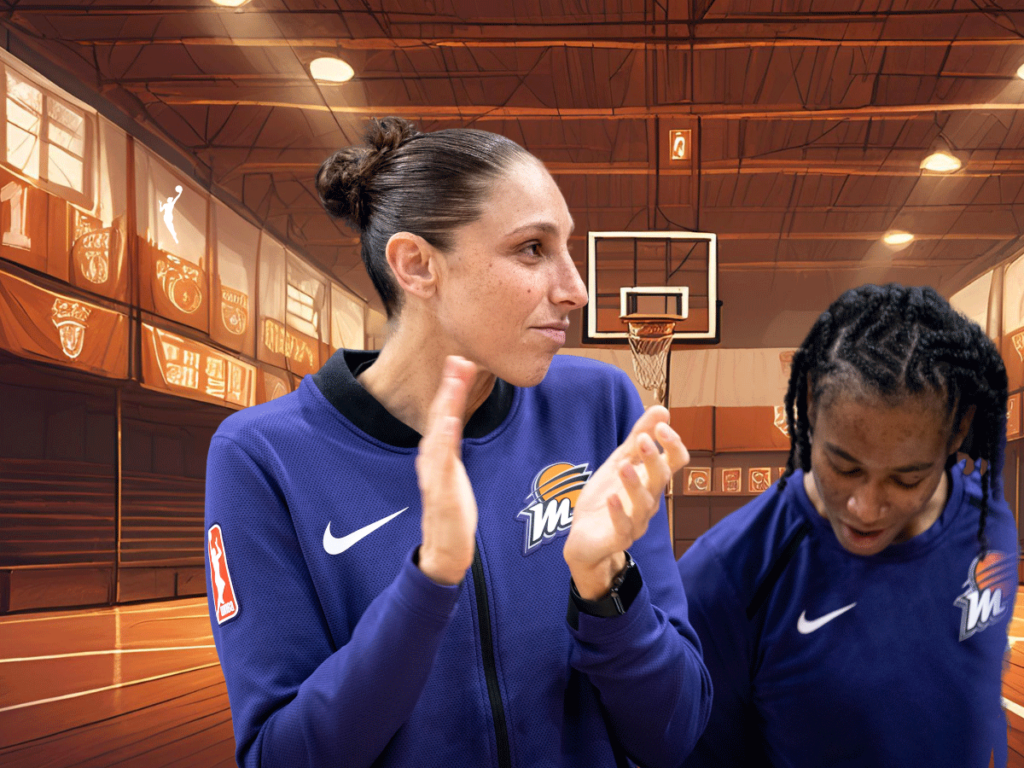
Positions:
{"x": 168, "y": 211}
{"x": 70, "y": 317}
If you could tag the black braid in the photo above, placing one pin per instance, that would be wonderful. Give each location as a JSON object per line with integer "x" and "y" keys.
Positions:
{"x": 900, "y": 341}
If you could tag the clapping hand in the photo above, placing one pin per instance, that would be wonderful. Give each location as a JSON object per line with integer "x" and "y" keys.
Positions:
{"x": 617, "y": 503}
{"x": 449, "y": 507}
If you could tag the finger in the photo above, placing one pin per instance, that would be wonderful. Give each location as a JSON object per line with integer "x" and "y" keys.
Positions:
{"x": 642, "y": 503}
{"x": 450, "y": 399}
{"x": 621, "y": 521}
{"x": 675, "y": 452}
{"x": 656, "y": 465}
{"x": 646, "y": 424}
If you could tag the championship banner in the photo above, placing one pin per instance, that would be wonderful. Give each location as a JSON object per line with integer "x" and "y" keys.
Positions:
{"x": 272, "y": 383}
{"x": 97, "y": 254}
{"x": 235, "y": 245}
{"x": 1013, "y": 358}
{"x": 1013, "y": 416}
{"x": 23, "y": 222}
{"x": 299, "y": 353}
{"x": 190, "y": 369}
{"x": 347, "y": 321}
{"x": 171, "y": 229}
{"x": 42, "y": 325}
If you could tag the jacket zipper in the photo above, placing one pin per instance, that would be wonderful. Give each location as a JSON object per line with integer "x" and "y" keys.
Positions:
{"x": 490, "y": 667}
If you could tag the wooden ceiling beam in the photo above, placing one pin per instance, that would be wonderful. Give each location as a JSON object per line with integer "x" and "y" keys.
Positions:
{"x": 484, "y": 112}
{"x": 618, "y": 42}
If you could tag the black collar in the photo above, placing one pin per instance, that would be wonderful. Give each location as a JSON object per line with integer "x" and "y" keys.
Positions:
{"x": 337, "y": 381}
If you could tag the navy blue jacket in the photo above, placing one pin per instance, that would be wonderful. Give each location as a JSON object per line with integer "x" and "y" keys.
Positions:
{"x": 338, "y": 651}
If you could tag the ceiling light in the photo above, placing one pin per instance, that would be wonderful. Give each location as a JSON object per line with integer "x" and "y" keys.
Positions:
{"x": 897, "y": 238}
{"x": 230, "y": 3}
{"x": 331, "y": 70}
{"x": 941, "y": 162}
{"x": 1020, "y": 72}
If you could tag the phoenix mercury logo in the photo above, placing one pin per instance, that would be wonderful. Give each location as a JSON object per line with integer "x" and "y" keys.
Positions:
{"x": 990, "y": 580}
{"x": 549, "y": 514}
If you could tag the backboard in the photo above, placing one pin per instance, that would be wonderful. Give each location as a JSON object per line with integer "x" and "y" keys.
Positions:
{"x": 672, "y": 273}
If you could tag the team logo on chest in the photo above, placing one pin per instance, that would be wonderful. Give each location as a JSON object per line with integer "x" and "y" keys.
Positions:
{"x": 990, "y": 580}
{"x": 549, "y": 514}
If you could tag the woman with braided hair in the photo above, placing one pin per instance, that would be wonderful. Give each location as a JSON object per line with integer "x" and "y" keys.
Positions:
{"x": 438, "y": 551}
{"x": 855, "y": 613}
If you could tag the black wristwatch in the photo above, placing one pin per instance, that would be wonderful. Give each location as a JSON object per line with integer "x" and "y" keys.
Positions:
{"x": 625, "y": 587}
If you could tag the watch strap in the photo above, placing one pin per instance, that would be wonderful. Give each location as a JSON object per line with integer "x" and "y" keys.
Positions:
{"x": 625, "y": 587}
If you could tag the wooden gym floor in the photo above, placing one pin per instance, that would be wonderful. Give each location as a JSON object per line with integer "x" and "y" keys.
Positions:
{"x": 140, "y": 687}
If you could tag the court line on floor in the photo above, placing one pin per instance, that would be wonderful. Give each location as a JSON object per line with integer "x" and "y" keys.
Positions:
{"x": 106, "y": 652}
{"x": 108, "y": 611}
{"x": 1014, "y": 707}
{"x": 77, "y": 694}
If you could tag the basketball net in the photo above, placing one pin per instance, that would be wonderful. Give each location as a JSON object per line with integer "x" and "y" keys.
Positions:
{"x": 650, "y": 337}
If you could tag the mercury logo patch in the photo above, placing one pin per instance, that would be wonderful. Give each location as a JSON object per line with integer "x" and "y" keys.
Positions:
{"x": 224, "y": 601}
{"x": 549, "y": 514}
{"x": 990, "y": 580}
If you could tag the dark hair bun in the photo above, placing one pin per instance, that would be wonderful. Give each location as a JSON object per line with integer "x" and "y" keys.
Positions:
{"x": 343, "y": 181}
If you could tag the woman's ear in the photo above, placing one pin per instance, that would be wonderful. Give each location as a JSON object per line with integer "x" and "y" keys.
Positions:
{"x": 413, "y": 262}
{"x": 960, "y": 434}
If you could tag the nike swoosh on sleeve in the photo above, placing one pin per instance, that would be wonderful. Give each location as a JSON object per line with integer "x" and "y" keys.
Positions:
{"x": 805, "y": 627}
{"x": 335, "y": 546}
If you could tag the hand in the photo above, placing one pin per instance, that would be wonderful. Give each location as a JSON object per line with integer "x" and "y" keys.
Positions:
{"x": 619, "y": 500}
{"x": 449, "y": 507}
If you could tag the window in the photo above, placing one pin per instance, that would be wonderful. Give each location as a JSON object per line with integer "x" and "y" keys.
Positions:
{"x": 46, "y": 138}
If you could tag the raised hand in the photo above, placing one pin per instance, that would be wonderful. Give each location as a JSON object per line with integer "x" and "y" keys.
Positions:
{"x": 617, "y": 503}
{"x": 449, "y": 507}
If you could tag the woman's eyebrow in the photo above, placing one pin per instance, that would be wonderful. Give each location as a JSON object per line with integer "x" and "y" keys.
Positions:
{"x": 844, "y": 455}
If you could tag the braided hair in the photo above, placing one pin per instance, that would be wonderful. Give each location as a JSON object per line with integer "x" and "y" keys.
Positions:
{"x": 898, "y": 341}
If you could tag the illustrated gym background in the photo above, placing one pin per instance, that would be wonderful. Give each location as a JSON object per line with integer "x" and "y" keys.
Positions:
{"x": 164, "y": 261}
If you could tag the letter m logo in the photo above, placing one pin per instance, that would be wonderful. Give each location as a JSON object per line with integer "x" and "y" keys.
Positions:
{"x": 544, "y": 520}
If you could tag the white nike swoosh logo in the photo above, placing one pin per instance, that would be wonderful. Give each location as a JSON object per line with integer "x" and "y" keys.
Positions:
{"x": 335, "y": 546}
{"x": 805, "y": 627}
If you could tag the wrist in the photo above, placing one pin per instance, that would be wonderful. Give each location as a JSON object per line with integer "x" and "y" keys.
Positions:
{"x": 439, "y": 569}
{"x": 595, "y": 581}
{"x": 625, "y": 587}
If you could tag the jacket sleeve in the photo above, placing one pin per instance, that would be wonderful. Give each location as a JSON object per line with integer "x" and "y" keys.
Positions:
{"x": 296, "y": 699}
{"x": 719, "y": 618}
{"x": 646, "y": 664}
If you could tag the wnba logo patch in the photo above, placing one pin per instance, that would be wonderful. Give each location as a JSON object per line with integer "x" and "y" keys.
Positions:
{"x": 224, "y": 601}
{"x": 990, "y": 581}
{"x": 555, "y": 490}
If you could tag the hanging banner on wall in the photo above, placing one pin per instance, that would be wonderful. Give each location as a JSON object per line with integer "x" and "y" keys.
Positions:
{"x": 235, "y": 245}
{"x": 23, "y": 222}
{"x": 272, "y": 383}
{"x": 1013, "y": 416}
{"x": 171, "y": 225}
{"x": 47, "y": 326}
{"x": 190, "y": 369}
{"x": 1013, "y": 358}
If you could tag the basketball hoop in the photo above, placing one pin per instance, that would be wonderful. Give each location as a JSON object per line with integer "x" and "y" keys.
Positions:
{"x": 650, "y": 337}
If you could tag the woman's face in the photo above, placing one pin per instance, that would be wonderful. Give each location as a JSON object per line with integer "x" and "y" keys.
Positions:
{"x": 878, "y": 469}
{"x": 508, "y": 285}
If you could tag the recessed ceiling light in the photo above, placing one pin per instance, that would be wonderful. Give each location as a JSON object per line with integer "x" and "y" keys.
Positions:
{"x": 941, "y": 162}
{"x": 230, "y": 3}
{"x": 897, "y": 238}
{"x": 331, "y": 70}
{"x": 1020, "y": 72}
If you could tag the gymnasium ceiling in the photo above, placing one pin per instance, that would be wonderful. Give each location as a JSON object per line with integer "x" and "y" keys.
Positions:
{"x": 809, "y": 117}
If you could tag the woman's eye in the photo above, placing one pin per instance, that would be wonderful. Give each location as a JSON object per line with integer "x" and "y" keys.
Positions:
{"x": 532, "y": 250}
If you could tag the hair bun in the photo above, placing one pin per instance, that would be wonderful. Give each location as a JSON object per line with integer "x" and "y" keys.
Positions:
{"x": 343, "y": 181}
